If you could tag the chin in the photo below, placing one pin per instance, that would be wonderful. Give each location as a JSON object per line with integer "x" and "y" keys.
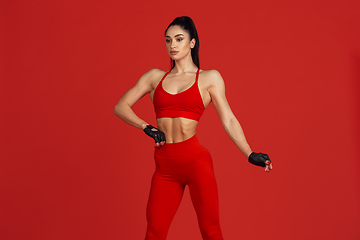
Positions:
{"x": 174, "y": 57}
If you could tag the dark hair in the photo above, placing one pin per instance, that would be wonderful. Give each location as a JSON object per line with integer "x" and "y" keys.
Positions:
{"x": 188, "y": 25}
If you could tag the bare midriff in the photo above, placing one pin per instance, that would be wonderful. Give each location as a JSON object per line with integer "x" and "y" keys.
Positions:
{"x": 177, "y": 129}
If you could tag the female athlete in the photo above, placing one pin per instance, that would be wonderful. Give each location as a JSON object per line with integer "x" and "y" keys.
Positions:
{"x": 180, "y": 96}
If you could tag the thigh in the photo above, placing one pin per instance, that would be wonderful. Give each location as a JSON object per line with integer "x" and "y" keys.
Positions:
{"x": 204, "y": 192}
{"x": 164, "y": 199}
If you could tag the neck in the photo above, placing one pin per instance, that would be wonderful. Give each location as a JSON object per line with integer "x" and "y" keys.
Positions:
{"x": 184, "y": 65}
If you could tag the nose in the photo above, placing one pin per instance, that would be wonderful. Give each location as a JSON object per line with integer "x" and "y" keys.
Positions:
{"x": 173, "y": 44}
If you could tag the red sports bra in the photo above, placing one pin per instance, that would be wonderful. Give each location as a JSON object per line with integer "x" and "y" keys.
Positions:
{"x": 186, "y": 104}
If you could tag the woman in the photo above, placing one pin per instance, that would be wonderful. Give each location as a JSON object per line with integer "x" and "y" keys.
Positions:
{"x": 180, "y": 96}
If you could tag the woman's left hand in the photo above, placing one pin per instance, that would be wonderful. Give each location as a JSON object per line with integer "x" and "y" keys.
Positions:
{"x": 262, "y": 160}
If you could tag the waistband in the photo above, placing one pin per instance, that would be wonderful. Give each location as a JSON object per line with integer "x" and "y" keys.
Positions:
{"x": 180, "y": 147}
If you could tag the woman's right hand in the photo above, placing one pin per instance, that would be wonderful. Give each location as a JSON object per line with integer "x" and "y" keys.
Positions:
{"x": 156, "y": 134}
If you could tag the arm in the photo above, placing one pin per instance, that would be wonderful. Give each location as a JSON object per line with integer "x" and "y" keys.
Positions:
{"x": 228, "y": 120}
{"x": 123, "y": 107}
{"x": 230, "y": 124}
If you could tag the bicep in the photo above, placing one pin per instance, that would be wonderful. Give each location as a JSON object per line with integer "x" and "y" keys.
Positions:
{"x": 140, "y": 89}
{"x": 218, "y": 98}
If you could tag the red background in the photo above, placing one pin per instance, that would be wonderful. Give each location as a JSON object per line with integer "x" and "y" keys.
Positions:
{"x": 70, "y": 169}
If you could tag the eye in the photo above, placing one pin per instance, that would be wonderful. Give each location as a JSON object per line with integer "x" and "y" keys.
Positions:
{"x": 179, "y": 39}
{"x": 167, "y": 40}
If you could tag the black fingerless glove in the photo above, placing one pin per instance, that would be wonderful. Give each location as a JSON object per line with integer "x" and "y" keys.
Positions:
{"x": 259, "y": 159}
{"x": 157, "y": 135}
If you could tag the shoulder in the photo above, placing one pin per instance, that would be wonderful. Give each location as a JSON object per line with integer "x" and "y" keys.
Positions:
{"x": 153, "y": 73}
{"x": 156, "y": 71}
{"x": 212, "y": 77}
{"x": 151, "y": 76}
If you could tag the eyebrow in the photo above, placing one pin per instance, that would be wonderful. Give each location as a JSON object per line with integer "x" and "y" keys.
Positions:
{"x": 177, "y": 35}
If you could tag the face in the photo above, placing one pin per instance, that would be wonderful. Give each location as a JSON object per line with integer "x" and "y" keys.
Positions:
{"x": 178, "y": 43}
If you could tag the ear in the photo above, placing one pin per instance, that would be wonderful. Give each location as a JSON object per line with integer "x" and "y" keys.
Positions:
{"x": 192, "y": 43}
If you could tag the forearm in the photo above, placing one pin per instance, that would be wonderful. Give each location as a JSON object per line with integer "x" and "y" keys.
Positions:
{"x": 233, "y": 129}
{"x": 125, "y": 113}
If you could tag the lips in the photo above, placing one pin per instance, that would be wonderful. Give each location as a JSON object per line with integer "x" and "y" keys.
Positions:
{"x": 174, "y": 52}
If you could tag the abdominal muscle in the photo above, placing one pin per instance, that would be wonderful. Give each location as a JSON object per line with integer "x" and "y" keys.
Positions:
{"x": 177, "y": 129}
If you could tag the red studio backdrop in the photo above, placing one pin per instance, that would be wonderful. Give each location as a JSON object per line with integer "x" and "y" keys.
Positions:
{"x": 70, "y": 169}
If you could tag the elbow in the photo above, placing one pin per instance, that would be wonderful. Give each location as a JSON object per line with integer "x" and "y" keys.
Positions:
{"x": 120, "y": 109}
{"x": 117, "y": 110}
{"x": 227, "y": 122}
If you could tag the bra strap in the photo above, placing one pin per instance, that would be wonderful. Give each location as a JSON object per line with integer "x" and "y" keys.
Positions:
{"x": 197, "y": 75}
{"x": 164, "y": 76}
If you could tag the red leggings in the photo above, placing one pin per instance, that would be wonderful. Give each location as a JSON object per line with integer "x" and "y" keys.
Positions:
{"x": 178, "y": 165}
